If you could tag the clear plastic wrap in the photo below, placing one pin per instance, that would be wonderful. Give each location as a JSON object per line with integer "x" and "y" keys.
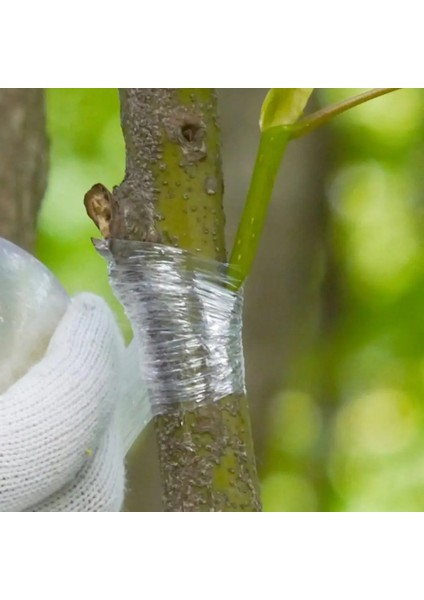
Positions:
{"x": 32, "y": 302}
{"x": 187, "y": 317}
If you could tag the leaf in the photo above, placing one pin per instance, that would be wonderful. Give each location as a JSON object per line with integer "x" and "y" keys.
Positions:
{"x": 283, "y": 106}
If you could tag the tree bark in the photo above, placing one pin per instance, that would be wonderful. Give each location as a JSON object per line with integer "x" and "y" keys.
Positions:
{"x": 23, "y": 163}
{"x": 172, "y": 195}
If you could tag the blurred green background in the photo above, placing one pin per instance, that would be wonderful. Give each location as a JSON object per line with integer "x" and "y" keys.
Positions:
{"x": 334, "y": 333}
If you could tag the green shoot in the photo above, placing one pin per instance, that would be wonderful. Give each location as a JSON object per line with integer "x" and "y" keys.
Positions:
{"x": 280, "y": 122}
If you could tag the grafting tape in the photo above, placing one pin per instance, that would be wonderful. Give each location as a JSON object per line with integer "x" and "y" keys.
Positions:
{"x": 187, "y": 316}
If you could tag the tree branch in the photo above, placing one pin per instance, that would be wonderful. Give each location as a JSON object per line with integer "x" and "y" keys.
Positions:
{"x": 172, "y": 194}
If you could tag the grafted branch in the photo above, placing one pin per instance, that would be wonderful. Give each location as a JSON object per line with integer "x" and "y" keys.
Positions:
{"x": 172, "y": 194}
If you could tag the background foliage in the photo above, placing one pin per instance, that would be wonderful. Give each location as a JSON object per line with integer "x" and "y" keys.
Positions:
{"x": 344, "y": 428}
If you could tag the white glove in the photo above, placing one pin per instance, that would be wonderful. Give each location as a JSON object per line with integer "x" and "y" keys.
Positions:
{"x": 66, "y": 424}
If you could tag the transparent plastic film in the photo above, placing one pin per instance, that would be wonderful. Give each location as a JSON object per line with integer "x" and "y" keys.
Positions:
{"x": 187, "y": 320}
{"x": 135, "y": 412}
{"x": 32, "y": 302}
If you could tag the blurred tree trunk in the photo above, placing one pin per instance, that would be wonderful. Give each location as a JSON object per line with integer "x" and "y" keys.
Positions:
{"x": 327, "y": 357}
{"x": 23, "y": 163}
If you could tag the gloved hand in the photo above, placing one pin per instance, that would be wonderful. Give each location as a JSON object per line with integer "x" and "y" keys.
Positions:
{"x": 67, "y": 421}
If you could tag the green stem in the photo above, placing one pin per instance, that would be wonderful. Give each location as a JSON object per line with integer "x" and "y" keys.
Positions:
{"x": 271, "y": 150}
{"x": 321, "y": 117}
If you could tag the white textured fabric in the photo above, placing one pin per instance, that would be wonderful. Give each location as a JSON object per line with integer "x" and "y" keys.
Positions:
{"x": 62, "y": 443}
